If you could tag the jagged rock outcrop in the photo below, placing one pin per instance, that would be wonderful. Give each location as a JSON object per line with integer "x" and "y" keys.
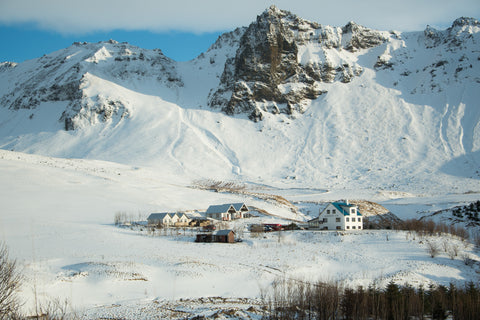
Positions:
{"x": 456, "y": 35}
{"x": 268, "y": 73}
{"x": 60, "y": 77}
{"x": 280, "y": 63}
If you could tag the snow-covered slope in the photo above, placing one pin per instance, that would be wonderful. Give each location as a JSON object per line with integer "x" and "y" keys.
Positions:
{"x": 288, "y": 108}
{"x": 340, "y": 107}
{"x": 57, "y": 220}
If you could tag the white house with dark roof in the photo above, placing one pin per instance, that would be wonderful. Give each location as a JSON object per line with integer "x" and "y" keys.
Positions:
{"x": 168, "y": 219}
{"x": 241, "y": 209}
{"x": 227, "y": 212}
{"x": 338, "y": 216}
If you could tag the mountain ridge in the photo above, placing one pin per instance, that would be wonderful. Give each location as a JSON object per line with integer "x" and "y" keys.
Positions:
{"x": 340, "y": 106}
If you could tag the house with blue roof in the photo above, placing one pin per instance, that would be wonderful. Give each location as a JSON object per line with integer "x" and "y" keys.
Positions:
{"x": 338, "y": 216}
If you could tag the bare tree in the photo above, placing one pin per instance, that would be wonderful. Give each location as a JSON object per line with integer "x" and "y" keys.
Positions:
{"x": 10, "y": 280}
{"x": 56, "y": 309}
{"x": 432, "y": 249}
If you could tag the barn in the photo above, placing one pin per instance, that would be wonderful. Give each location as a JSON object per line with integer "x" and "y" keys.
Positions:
{"x": 225, "y": 236}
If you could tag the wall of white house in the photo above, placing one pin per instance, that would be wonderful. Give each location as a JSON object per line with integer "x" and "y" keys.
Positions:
{"x": 336, "y": 220}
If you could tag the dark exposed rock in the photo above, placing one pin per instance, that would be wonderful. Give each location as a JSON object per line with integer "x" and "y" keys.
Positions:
{"x": 268, "y": 58}
{"x": 455, "y": 36}
{"x": 91, "y": 111}
{"x": 361, "y": 37}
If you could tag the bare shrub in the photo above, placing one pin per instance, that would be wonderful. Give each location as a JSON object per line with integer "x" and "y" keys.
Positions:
{"x": 432, "y": 249}
{"x": 461, "y": 232}
{"x": 55, "y": 309}
{"x": 219, "y": 186}
{"x": 445, "y": 245}
{"x": 120, "y": 218}
{"x": 467, "y": 260}
{"x": 10, "y": 281}
{"x": 476, "y": 239}
{"x": 452, "y": 251}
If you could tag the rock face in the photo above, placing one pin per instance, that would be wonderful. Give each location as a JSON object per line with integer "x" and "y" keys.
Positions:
{"x": 268, "y": 73}
{"x": 453, "y": 36}
{"x": 61, "y": 77}
{"x": 280, "y": 63}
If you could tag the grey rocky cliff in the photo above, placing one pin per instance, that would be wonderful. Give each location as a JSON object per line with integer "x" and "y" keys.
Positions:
{"x": 280, "y": 63}
{"x": 267, "y": 61}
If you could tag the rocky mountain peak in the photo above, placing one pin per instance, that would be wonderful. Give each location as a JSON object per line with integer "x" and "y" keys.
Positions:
{"x": 62, "y": 76}
{"x": 273, "y": 10}
{"x": 455, "y": 36}
{"x": 268, "y": 60}
{"x": 465, "y": 21}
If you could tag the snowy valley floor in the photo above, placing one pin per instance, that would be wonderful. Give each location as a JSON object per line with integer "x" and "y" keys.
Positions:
{"x": 57, "y": 221}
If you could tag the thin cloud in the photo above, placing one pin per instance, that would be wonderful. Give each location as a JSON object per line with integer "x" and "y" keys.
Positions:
{"x": 77, "y": 17}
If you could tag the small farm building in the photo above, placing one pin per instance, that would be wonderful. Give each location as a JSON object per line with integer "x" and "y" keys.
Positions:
{"x": 226, "y": 236}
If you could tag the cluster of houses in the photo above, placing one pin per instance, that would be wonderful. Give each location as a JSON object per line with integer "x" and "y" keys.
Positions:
{"x": 335, "y": 216}
{"x": 222, "y": 212}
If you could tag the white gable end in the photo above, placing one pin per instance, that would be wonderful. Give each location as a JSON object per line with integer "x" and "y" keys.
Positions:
{"x": 338, "y": 216}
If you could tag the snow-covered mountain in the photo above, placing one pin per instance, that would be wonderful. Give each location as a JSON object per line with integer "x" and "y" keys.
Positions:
{"x": 283, "y": 99}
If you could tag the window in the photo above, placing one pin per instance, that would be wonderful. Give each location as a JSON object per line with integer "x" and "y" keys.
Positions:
{"x": 348, "y": 227}
{"x": 333, "y": 211}
{"x": 337, "y": 220}
{"x": 339, "y": 228}
{"x": 359, "y": 227}
{"x": 353, "y": 227}
{"x": 353, "y": 219}
{"x": 328, "y": 211}
{"x": 352, "y": 211}
{"x": 347, "y": 219}
{"x": 359, "y": 219}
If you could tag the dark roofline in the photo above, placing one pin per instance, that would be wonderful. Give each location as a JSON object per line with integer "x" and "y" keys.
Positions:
{"x": 340, "y": 205}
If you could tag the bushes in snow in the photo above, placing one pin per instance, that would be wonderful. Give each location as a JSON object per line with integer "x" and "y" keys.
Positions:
{"x": 431, "y": 228}
{"x": 290, "y": 299}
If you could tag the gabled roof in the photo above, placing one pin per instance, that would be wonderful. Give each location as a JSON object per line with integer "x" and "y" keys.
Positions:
{"x": 238, "y": 206}
{"x": 179, "y": 214}
{"x": 220, "y": 208}
{"x": 160, "y": 216}
{"x": 344, "y": 208}
{"x": 223, "y": 232}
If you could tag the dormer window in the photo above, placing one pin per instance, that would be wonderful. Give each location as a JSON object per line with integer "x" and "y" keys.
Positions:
{"x": 353, "y": 211}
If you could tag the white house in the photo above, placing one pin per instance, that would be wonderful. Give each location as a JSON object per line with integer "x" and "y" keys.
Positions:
{"x": 168, "y": 219}
{"x": 182, "y": 220}
{"x": 338, "y": 216}
{"x": 227, "y": 212}
{"x": 241, "y": 209}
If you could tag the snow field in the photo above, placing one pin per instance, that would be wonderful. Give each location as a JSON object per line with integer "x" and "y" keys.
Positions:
{"x": 57, "y": 220}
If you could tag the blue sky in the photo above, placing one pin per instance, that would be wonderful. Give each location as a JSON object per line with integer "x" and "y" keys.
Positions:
{"x": 182, "y": 29}
{"x": 24, "y": 42}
